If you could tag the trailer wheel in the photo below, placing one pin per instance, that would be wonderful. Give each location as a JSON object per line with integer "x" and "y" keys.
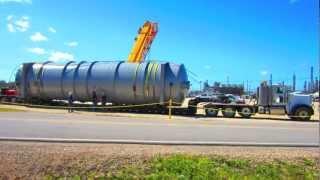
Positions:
{"x": 229, "y": 112}
{"x": 13, "y": 100}
{"x": 245, "y": 112}
{"x": 212, "y": 112}
{"x": 192, "y": 110}
{"x": 302, "y": 113}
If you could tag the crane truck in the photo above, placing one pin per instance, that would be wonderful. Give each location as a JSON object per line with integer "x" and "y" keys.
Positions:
{"x": 143, "y": 41}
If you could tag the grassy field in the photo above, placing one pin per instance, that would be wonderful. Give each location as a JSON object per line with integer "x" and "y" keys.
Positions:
{"x": 180, "y": 166}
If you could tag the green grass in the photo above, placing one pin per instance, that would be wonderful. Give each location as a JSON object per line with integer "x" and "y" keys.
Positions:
{"x": 3, "y": 109}
{"x": 183, "y": 167}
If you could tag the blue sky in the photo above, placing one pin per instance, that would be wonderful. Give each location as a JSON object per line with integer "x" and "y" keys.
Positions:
{"x": 239, "y": 39}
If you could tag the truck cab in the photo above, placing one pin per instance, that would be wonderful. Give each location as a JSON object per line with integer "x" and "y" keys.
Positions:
{"x": 8, "y": 94}
{"x": 299, "y": 106}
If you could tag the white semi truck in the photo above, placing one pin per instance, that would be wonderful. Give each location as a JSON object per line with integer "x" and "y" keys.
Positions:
{"x": 296, "y": 105}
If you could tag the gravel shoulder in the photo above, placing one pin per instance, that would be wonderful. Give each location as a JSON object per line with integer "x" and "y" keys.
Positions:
{"x": 33, "y": 160}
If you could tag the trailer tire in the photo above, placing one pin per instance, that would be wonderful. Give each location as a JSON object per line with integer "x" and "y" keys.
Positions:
{"x": 13, "y": 100}
{"x": 192, "y": 110}
{"x": 212, "y": 112}
{"x": 302, "y": 113}
{"x": 229, "y": 112}
{"x": 245, "y": 112}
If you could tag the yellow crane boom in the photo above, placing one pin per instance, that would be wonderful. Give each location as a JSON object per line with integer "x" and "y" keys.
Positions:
{"x": 143, "y": 42}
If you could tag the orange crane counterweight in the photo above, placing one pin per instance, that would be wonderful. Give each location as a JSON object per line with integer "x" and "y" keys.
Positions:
{"x": 143, "y": 41}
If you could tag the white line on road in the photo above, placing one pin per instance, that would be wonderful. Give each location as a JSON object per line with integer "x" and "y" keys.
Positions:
{"x": 148, "y": 142}
{"x": 212, "y": 124}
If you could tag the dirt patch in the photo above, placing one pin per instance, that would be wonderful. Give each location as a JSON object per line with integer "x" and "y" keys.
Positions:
{"x": 34, "y": 160}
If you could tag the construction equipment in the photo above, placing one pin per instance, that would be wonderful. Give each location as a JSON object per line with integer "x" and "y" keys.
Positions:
{"x": 143, "y": 42}
{"x": 137, "y": 82}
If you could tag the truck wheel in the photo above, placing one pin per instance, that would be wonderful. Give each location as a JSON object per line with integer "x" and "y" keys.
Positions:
{"x": 212, "y": 112}
{"x": 245, "y": 112}
{"x": 229, "y": 112}
{"x": 302, "y": 113}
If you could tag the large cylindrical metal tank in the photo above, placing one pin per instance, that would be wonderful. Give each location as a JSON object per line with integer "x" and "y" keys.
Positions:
{"x": 121, "y": 82}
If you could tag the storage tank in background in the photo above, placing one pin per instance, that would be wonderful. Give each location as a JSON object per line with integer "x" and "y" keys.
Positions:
{"x": 121, "y": 82}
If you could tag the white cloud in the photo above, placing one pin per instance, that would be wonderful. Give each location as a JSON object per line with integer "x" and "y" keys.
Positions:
{"x": 52, "y": 30}
{"x": 207, "y": 67}
{"x": 11, "y": 28}
{"x": 263, "y": 72}
{"x": 16, "y": 1}
{"x": 61, "y": 56}
{"x": 37, "y": 37}
{"x": 9, "y": 18}
{"x": 72, "y": 44}
{"x": 37, "y": 50}
{"x": 22, "y": 24}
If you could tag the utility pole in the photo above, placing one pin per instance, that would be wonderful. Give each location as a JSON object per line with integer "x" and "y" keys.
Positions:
{"x": 316, "y": 84}
{"x": 294, "y": 82}
{"x": 248, "y": 87}
{"x": 311, "y": 80}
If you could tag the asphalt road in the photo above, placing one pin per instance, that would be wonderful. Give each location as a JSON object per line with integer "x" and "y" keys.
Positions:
{"x": 156, "y": 128}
